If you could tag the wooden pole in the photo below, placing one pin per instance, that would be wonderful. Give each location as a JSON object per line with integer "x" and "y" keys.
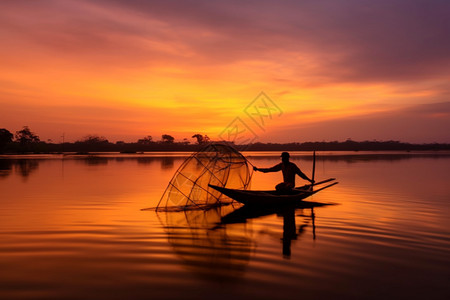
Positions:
{"x": 314, "y": 167}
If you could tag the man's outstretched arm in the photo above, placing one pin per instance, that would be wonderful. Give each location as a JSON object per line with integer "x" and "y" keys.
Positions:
{"x": 268, "y": 170}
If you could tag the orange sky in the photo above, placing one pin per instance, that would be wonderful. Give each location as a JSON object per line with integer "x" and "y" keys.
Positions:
{"x": 128, "y": 69}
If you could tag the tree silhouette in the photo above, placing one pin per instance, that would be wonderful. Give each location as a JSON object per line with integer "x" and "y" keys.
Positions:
{"x": 26, "y": 138}
{"x": 146, "y": 140}
{"x": 94, "y": 139}
{"x": 201, "y": 139}
{"x": 167, "y": 139}
{"x": 5, "y": 138}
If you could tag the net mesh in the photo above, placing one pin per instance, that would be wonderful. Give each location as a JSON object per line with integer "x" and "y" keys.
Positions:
{"x": 216, "y": 164}
{"x": 206, "y": 247}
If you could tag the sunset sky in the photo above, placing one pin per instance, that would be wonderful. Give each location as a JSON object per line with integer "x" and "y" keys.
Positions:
{"x": 354, "y": 69}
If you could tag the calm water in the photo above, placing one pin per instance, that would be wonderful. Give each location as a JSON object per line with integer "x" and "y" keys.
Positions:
{"x": 73, "y": 229}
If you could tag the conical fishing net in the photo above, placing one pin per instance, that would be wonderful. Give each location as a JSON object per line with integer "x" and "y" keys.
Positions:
{"x": 216, "y": 164}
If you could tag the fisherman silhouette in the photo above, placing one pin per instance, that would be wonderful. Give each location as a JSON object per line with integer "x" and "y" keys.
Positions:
{"x": 289, "y": 170}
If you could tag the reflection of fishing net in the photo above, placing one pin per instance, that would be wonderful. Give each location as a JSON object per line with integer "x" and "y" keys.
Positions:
{"x": 216, "y": 253}
{"x": 216, "y": 164}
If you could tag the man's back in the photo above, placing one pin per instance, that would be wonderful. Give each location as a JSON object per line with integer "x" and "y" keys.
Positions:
{"x": 289, "y": 170}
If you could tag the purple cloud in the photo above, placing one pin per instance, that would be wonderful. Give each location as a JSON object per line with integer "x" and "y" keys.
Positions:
{"x": 425, "y": 123}
{"x": 351, "y": 40}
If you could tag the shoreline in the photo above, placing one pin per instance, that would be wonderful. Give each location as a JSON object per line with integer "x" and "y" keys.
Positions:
{"x": 249, "y": 154}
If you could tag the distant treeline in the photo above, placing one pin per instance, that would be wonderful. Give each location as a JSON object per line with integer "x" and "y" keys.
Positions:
{"x": 82, "y": 148}
{"x": 348, "y": 145}
{"x": 25, "y": 141}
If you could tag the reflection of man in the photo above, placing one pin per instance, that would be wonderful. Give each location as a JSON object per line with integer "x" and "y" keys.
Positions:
{"x": 289, "y": 170}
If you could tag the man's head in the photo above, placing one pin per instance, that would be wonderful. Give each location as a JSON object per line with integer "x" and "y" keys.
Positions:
{"x": 285, "y": 156}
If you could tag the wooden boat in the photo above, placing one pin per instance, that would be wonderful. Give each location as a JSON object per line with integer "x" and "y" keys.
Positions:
{"x": 273, "y": 197}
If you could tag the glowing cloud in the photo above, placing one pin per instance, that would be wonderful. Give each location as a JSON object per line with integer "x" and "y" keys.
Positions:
{"x": 126, "y": 69}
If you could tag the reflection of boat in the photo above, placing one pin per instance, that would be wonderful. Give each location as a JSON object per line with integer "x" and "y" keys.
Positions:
{"x": 242, "y": 214}
{"x": 272, "y": 197}
{"x": 290, "y": 231}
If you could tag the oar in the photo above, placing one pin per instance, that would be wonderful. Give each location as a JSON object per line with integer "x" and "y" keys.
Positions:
{"x": 324, "y": 181}
{"x": 313, "y": 192}
{"x": 327, "y": 186}
{"x": 315, "y": 184}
